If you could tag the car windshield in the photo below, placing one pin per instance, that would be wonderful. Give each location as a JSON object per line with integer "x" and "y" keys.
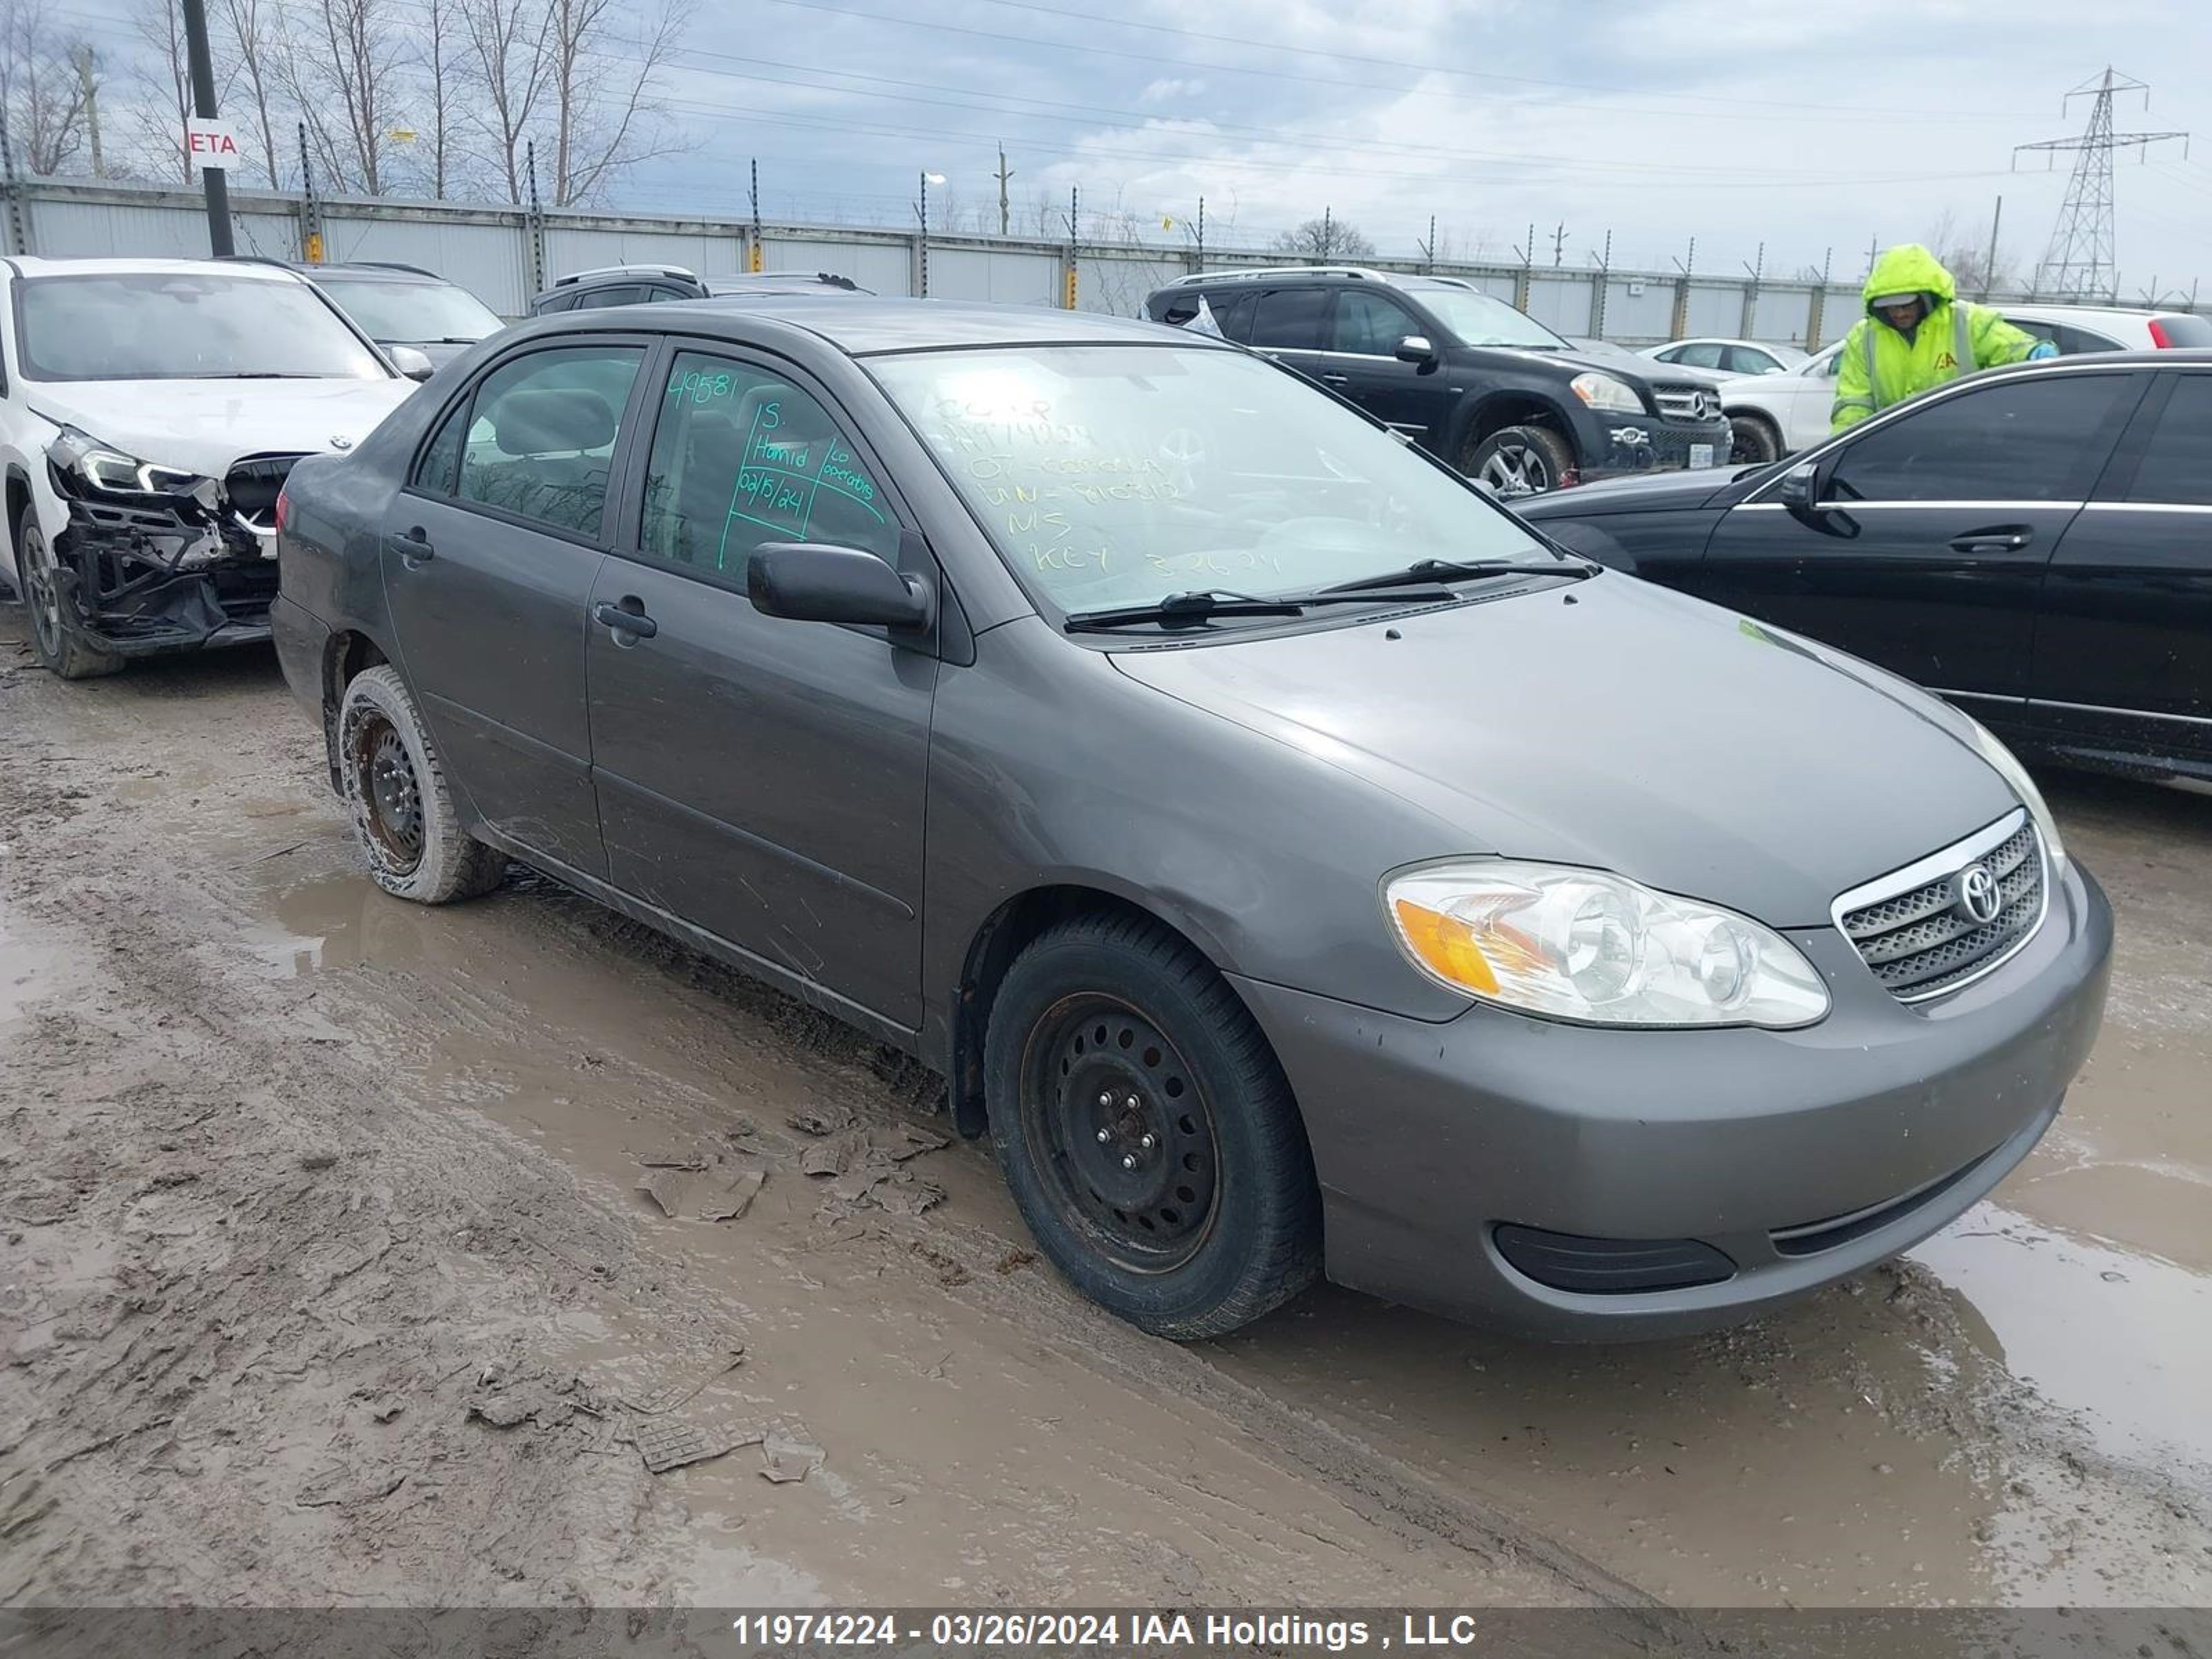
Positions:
{"x": 183, "y": 326}
{"x": 1112, "y": 476}
{"x": 1479, "y": 320}
{"x": 408, "y": 313}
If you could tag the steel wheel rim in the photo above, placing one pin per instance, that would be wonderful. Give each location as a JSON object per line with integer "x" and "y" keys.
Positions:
{"x": 42, "y": 592}
{"x": 390, "y": 793}
{"x": 1517, "y": 469}
{"x": 1090, "y": 1101}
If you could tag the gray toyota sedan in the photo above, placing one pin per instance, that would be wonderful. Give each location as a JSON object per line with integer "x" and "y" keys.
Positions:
{"x": 1292, "y": 861}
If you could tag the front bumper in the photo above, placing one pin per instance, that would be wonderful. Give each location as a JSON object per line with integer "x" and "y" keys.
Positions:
{"x": 1801, "y": 1156}
{"x": 1630, "y": 444}
{"x": 142, "y": 581}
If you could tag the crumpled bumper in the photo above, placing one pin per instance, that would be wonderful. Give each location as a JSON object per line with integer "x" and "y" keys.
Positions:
{"x": 138, "y": 581}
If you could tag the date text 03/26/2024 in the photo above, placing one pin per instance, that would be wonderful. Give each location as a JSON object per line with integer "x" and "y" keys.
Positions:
{"x": 1001, "y": 1629}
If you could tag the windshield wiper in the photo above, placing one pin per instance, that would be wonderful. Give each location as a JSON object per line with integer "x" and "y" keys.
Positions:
{"x": 1457, "y": 570}
{"x": 1204, "y": 604}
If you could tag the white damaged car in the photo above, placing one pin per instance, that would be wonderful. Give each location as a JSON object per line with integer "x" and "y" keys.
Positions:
{"x": 149, "y": 410}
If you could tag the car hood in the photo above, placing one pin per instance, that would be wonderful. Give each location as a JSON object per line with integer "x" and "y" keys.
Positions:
{"x": 206, "y": 425}
{"x": 1617, "y": 725}
{"x": 1641, "y": 492}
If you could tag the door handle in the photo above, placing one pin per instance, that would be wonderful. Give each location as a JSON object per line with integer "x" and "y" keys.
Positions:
{"x": 622, "y": 619}
{"x": 1337, "y": 380}
{"x": 2010, "y": 539}
{"x": 414, "y": 547}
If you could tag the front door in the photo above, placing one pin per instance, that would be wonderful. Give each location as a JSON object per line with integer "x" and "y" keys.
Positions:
{"x": 1291, "y": 325}
{"x": 2124, "y": 647}
{"x": 761, "y": 777}
{"x": 489, "y": 559}
{"x": 1928, "y": 553}
{"x": 1362, "y": 364}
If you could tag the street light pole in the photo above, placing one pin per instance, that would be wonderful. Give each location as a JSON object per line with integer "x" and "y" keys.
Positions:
{"x": 214, "y": 180}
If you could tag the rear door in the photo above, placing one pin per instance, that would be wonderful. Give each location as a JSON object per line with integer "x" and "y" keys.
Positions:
{"x": 1364, "y": 329}
{"x": 2123, "y": 649}
{"x": 757, "y": 777}
{"x": 1291, "y": 323}
{"x": 1930, "y": 557}
{"x": 489, "y": 558}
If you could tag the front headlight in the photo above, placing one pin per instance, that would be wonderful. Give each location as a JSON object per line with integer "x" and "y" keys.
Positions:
{"x": 1603, "y": 391}
{"x": 1584, "y": 945}
{"x": 2007, "y": 766}
{"x": 79, "y": 456}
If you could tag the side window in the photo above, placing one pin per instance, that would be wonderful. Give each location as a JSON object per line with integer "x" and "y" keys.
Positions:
{"x": 1827, "y": 367}
{"x": 440, "y": 468}
{"x": 739, "y": 457}
{"x": 541, "y": 437}
{"x": 1368, "y": 325}
{"x": 1232, "y": 314}
{"x": 1704, "y": 354}
{"x": 2073, "y": 341}
{"x": 2177, "y": 464}
{"x": 596, "y": 299}
{"x": 564, "y": 301}
{"x": 1290, "y": 319}
{"x": 1748, "y": 360}
{"x": 2021, "y": 442}
{"x": 1671, "y": 355}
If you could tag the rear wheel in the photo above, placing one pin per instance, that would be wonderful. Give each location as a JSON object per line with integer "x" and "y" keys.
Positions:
{"x": 57, "y": 645}
{"x": 1520, "y": 460}
{"x": 1146, "y": 1132}
{"x": 402, "y": 812}
{"x": 1753, "y": 440}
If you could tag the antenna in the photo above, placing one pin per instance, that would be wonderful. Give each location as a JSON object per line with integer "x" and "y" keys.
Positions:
{"x": 2082, "y": 263}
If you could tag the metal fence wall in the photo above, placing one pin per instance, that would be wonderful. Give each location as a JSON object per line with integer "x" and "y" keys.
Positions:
{"x": 504, "y": 254}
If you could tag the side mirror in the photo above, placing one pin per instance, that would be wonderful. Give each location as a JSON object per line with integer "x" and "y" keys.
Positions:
{"x": 809, "y": 582}
{"x": 1415, "y": 349}
{"x": 411, "y": 362}
{"x": 1800, "y": 487}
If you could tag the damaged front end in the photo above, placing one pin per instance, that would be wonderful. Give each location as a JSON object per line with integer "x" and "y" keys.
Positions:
{"x": 155, "y": 559}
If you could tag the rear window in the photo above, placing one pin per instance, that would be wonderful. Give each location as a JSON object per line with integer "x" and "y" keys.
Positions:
{"x": 2184, "y": 330}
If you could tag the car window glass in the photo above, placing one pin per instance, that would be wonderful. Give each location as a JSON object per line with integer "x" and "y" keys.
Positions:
{"x": 599, "y": 298}
{"x": 542, "y": 438}
{"x": 1748, "y": 360}
{"x": 552, "y": 302}
{"x": 1233, "y": 313}
{"x": 1824, "y": 369}
{"x": 1671, "y": 355}
{"x": 1706, "y": 354}
{"x": 2177, "y": 464}
{"x": 2022, "y": 441}
{"x": 1368, "y": 325}
{"x": 441, "y": 459}
{"x": 1290, "y": 319}
{"x": 741, "y": 457}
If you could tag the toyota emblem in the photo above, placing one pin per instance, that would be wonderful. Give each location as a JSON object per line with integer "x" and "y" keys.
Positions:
{"x": 1978, "y": 893}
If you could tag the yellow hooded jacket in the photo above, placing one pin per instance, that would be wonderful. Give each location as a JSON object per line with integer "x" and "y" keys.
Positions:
{"x": 1879, "y": 367}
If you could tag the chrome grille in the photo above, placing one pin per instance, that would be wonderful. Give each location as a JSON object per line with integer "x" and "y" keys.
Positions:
{"x": 252, "y": 485}
{"x": 1917, "y": 930}
{"x": 1679, "y": 402}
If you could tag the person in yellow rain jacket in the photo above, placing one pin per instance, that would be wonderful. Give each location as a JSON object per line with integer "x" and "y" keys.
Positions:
{"x": 1918, "y": 333}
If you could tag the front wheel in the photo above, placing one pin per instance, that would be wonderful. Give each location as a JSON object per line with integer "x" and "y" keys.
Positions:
{"x": 1752, "y": 441}
{"x": 1520, "y": 460}
{"x": 1148, "y": 1135}
{"x": 55, "y": 643}
{"x": 402, "y": 812}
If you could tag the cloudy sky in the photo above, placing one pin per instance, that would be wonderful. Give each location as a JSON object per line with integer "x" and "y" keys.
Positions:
{"x": 1805, "y": 124}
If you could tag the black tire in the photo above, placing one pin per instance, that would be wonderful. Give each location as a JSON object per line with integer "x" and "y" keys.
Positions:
{"x": 53, "y": 641}
{"x": 1753, "y": 440}
{"x": 1520, "y": 460}
{"x": 1219, "y": 1213}
{"x": 402, "y": 812}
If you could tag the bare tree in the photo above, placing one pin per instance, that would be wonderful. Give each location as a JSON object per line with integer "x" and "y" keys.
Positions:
{"x": 45, "y": 97}
{"x": 440, "y": 85}
{"x": 1326, "y": 238}
{"x": 1965, "y": 252}
{"x": 608, "y": 109}
{"x": 507, "y": 68}
{"x": 345, "y": 73}
{"x": 155, "y": 124}
{"x": 258, "y": 51}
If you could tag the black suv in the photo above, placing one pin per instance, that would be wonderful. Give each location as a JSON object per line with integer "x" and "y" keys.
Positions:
{"x": 637, "y": 285}
{"x": 1486, "y": 387}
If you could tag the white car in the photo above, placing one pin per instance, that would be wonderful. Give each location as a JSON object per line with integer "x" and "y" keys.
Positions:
{"x": 1728, "y": 356}
{"x": 149, "y": 410}
{"x": 1773, "y": 415}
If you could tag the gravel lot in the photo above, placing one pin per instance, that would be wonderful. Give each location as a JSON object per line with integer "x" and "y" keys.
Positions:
{"x": 325, "y": 1275}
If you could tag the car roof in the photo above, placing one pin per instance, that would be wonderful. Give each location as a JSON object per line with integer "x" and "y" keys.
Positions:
{"x": 28, "y": 265}
{"x": 373, "y": 270}
{"x": 862, "y": 325}
{"x": 2059, "y": 314}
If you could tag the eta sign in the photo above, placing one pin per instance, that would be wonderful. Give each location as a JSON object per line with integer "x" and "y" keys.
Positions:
{"x": 209, "y": 142}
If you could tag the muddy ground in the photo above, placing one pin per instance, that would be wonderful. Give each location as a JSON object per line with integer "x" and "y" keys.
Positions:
{"x": 325, "y": 1276}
